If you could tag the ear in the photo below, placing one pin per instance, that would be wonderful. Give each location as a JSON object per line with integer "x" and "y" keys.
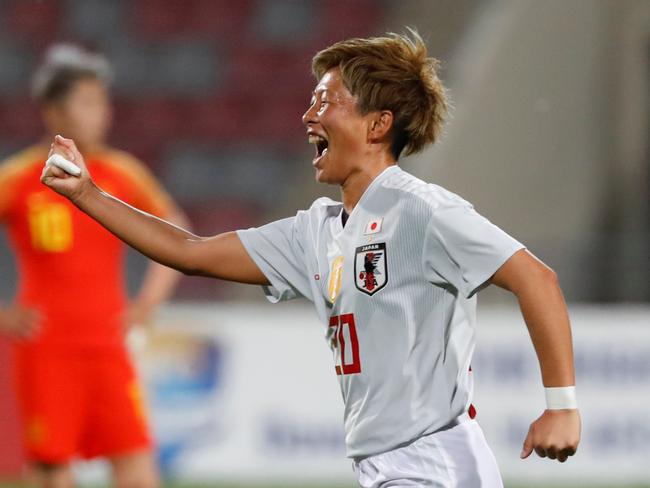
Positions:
{"x": 380, "y": 126}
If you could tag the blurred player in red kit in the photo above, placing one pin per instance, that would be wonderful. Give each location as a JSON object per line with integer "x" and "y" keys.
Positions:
{"x": 392, "y": 270}
{"x": 75, "y": 384}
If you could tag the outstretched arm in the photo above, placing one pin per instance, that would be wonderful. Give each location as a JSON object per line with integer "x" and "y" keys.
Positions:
{"x": 222, "y": 256}
{"x": 556, "y": 433}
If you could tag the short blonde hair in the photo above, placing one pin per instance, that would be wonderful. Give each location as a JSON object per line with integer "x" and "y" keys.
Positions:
{"x": 392, "y": 73}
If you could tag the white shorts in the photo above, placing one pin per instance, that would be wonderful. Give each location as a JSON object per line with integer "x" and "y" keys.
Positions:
{"x": 458, "y": 457}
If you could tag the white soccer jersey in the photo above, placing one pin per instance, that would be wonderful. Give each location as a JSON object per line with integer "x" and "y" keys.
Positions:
{"x": 394, "y": 289}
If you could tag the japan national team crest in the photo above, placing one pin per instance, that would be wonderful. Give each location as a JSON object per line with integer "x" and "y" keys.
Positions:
{"x": 370, "y": 268}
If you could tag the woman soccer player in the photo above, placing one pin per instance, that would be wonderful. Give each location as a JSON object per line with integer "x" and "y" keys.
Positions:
{"x": 393, "y": 272}
{"x": 75, "y": 384}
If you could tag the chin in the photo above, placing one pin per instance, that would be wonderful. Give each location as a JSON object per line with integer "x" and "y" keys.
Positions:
{"x": 321, "y": 176}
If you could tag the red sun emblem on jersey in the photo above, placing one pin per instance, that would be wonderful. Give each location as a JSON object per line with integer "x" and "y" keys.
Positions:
{"x": 370, "y": 269}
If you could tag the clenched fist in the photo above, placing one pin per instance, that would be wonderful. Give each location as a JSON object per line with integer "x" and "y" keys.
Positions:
{"x": 71, "y": 187}
{"x": 555, "y": 434}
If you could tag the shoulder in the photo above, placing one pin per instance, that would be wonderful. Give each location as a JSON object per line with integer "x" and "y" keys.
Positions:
{"x": 320, "y": 209}
{"x": 23, "y": 166}
{"x": 142, "y": 188}
{"x": 21, "y": 162}
{"x": 325, "y": 204}
{"x": 131, "y": 171}
{"x": 309, "y": 221}
{"x": 429, "y": 196}
{"x": 124, "y": 163}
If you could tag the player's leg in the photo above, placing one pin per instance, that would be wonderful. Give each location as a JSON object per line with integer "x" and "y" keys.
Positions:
{"x": 118, "y": 427}
{"x": 47, "y": 475}
{"x": 51, "y": 405}
{"x": 135, "y": 470}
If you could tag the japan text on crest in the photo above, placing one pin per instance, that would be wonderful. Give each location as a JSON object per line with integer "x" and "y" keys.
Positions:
{"x": 370, "y": 268}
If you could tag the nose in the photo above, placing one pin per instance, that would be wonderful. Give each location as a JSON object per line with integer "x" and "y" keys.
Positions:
{"x": 310, "y": 116}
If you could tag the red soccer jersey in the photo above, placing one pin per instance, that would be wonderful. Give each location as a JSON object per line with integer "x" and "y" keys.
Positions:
{"x": 70, "y": 268}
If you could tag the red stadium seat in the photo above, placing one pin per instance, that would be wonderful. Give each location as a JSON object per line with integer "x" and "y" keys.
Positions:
{"x": 152, "y": 119}
{"x": 219, "y": 118}
{"x": 36, "y": 23}
{"x": 20, "y": 120}
{"x": 342, "y": 19}
{"x": 276, "y": 70}
{"x": 223, "y": 20}
{"x": 158, "y": 18}
{"x": 144, "y": 127}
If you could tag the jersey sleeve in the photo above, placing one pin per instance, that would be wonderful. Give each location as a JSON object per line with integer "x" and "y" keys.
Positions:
{"x": 12, "y": 169}
{"x": 278, "y": 251}
{"x": 464, "y": 249}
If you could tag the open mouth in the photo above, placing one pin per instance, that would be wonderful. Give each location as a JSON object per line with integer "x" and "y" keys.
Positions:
{"x": 320, "y": 143}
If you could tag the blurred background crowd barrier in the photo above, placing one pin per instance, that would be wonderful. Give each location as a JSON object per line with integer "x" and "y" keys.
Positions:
{"x": 548, "y": 135}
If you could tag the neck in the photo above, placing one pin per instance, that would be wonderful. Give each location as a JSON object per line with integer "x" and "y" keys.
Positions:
{"x": 359, "y": 180}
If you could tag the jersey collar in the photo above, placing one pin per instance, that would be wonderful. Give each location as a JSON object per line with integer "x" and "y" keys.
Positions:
{"x": 366, "y": 194}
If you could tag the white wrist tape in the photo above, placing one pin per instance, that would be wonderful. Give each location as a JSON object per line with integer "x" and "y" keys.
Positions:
{"x": 558, "y": 398}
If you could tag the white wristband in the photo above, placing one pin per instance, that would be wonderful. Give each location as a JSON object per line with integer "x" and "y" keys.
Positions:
{"x": 559, "y": 398}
